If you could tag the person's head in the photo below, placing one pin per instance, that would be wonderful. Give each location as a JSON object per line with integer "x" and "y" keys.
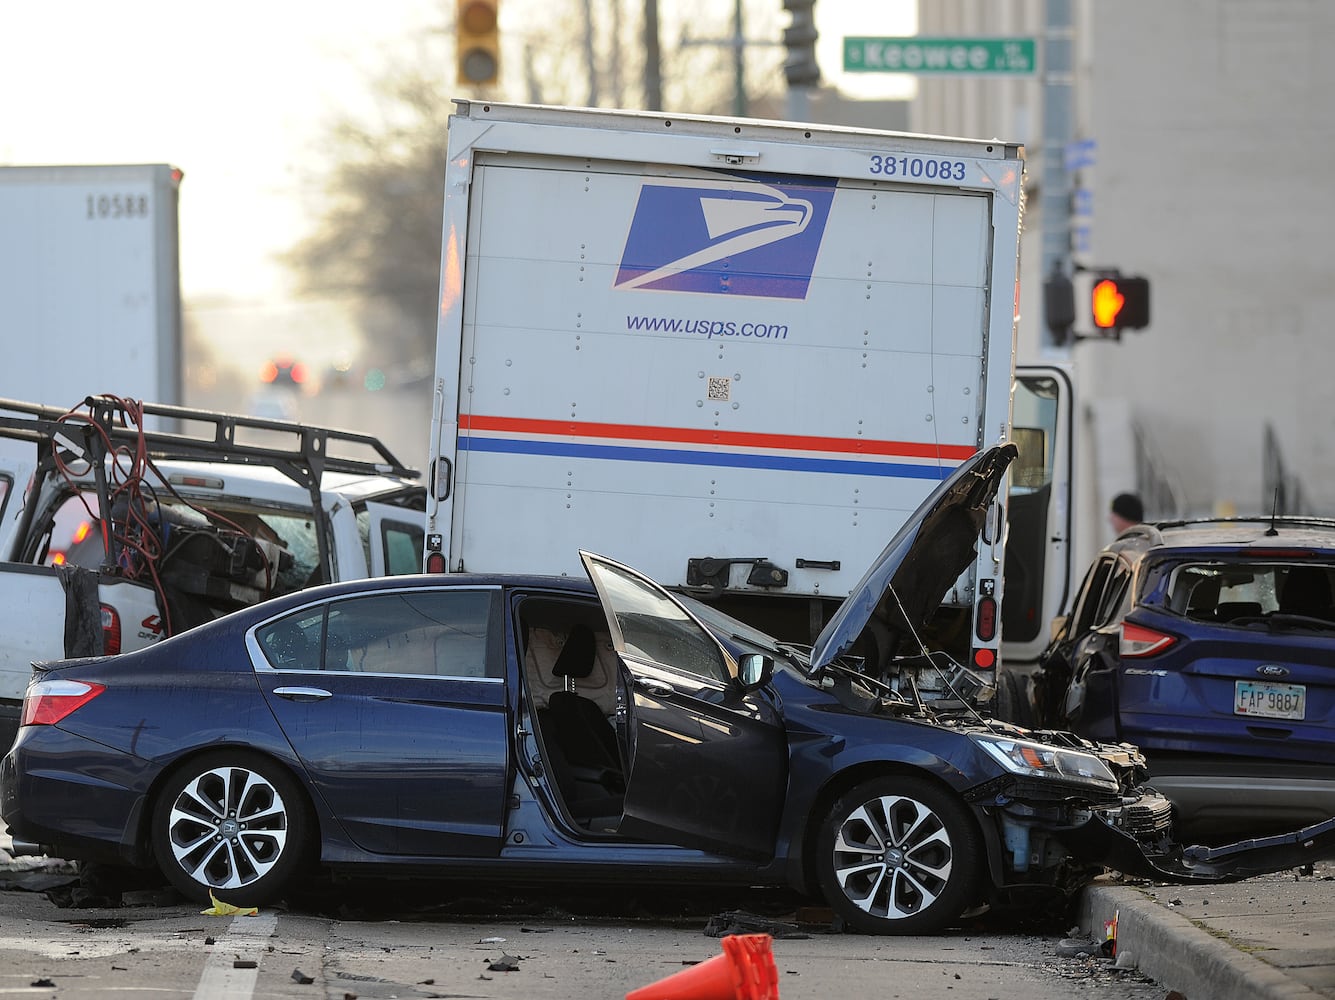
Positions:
{"x": 1126, "y": 510}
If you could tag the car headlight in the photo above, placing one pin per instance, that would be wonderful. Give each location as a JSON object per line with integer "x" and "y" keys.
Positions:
{"x": 1039, "y": 760}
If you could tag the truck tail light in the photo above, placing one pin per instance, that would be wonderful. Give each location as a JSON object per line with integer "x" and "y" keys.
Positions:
{"x": 1139, "y": 641}
{"x": 111, "y": 630}
{"x": 47, "y": 702}
{"x": 435, "y": 562}
{"x": 987, "y": 619}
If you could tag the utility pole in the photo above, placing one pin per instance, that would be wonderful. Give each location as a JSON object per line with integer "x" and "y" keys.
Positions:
{"x": 738, "y": 43}
{"x": 653, "y": 75}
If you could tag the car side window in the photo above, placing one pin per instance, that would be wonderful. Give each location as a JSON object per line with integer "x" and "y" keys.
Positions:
{"x": 442, "y": 633}
{"x": 1114, "y": 593}
{"x": 1090, "y": 597}
{"x": 654, "y": 627}
{"x": 294, "y": 642}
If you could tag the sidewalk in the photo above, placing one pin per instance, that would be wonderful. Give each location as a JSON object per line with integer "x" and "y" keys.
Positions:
{"x": 1269, "y": 938}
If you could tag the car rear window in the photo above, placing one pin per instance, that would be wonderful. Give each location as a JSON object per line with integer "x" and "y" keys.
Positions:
{"x": 1226, "y": 591}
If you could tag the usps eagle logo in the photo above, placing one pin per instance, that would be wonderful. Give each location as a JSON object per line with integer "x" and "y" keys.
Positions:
{"x": 729, "y": 236}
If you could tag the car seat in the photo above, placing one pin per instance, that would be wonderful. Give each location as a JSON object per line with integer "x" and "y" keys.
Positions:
{"x": 580, "y": 743}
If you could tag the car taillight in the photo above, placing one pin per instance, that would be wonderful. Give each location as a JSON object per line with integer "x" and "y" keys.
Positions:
{"x": 111, "y": 630}
{"x": 1138, "y": 641}
{"x": 47, "y": 702}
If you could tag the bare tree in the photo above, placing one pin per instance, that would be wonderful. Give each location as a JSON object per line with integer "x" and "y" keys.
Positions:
{"x": 380, "y": 209}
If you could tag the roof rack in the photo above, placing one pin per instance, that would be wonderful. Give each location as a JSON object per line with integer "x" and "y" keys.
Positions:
{"x": 298, "y": 451}
{"x": 211, "y": 436}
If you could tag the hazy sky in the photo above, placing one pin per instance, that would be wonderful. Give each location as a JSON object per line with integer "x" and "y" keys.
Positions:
{"x": 237, "y": 95}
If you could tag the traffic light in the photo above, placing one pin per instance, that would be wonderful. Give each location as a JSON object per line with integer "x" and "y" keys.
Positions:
{"x": 1058, "y": 307}
{"x": 476, "y": 29}
{"x": 1119, "y": 302}
{"x": 800, "y": 67}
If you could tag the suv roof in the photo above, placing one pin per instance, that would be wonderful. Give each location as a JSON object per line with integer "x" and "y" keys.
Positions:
{"x": 1281, "y": 534}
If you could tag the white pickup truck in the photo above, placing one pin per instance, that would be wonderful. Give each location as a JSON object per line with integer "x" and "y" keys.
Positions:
{"x": 122, "y": 523}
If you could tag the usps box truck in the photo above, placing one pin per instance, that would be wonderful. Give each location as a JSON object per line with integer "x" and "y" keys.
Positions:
{"x": 734, "y": 354}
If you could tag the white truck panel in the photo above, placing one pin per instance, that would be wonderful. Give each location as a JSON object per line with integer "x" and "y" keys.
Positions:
{"x": 717, "y": 339}
{"x": 90, "y": 283}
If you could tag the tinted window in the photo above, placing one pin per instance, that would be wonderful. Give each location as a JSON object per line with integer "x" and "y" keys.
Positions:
{"x": 293, "y": 643}
{"x": 1090, "y": 597}
{"x": 442, "y": 633}
{"x": 403, "y": 547}
{"x": 654, "y": 627}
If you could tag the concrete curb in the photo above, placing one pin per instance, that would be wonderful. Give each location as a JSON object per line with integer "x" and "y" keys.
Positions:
{"x": 1180, "y": 955}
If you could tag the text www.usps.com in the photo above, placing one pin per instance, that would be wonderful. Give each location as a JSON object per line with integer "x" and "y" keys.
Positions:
{"x": 708, "y": 328}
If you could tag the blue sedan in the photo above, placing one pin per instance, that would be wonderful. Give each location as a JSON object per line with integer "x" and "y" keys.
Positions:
{"x": 600, "y": 730}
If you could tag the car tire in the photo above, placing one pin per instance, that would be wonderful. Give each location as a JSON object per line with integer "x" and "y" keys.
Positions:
{"x": 899, "y": 855}
{"x": 232, "y": 824}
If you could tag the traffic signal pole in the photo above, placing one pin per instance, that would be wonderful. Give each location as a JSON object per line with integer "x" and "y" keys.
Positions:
{"x": 1055, "y": 199}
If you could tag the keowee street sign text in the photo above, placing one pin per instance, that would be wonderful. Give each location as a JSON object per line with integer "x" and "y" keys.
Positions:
{"x": 939, "y": 55}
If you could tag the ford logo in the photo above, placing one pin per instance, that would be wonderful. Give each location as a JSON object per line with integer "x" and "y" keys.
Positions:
{"x": 1272, "y": 670}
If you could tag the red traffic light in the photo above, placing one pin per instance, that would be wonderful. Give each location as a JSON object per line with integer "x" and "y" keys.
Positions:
{"x": 1119, "y": 302}
{"x": 1107, "y": 301}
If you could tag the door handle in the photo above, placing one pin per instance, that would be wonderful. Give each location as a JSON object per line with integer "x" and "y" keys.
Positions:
{"x": 302, "y": 693}
{"x": 654, "y": 686}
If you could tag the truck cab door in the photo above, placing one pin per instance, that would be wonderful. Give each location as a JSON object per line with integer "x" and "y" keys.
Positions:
{"x": 1040, "y": 519}
{"x": 394, "y": 540}
{"x": 707, "y": 759}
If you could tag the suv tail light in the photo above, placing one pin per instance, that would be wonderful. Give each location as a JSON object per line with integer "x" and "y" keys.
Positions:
{"x": 111, "y": 630}
{"x": 47, "y": 702}
{"x": 1139, "y": 641}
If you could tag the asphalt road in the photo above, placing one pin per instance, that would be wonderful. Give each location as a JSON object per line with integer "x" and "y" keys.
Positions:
{"x": 167, "y": 951}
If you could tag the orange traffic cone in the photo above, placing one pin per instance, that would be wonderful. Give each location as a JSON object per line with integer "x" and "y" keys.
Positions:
{"x": 745, "y": 971}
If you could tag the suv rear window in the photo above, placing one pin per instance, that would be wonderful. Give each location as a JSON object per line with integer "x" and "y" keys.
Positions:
{"x": 1226, "y": 591}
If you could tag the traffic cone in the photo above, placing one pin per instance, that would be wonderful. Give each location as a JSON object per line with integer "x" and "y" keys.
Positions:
{"x": 745, "y": 971}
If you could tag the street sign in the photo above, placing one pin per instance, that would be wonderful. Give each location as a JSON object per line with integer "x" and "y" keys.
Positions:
{"x": 919, "y": 55}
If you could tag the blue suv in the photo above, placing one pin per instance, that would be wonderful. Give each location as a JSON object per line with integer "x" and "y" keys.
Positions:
{"x": 1211, "y": 645}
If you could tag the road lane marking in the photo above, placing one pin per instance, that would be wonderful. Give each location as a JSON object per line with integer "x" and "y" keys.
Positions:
{"x": 244, "y": 939}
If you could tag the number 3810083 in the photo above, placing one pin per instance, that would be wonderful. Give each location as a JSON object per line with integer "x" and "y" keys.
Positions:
{"x": 915, "y": 167}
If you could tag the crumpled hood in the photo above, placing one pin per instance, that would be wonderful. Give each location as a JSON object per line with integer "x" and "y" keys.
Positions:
{"x": 926, "y": 556}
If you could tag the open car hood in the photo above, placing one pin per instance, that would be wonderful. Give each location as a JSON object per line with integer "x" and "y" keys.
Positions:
{"x": 927, "y": 555}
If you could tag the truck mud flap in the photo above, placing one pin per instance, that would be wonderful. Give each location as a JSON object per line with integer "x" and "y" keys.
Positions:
{"x": 83, "y": 616}
{"x": 1095, "y": 842}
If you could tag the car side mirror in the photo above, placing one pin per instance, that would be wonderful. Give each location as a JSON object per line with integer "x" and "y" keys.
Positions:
{"x": 754, "y": 670}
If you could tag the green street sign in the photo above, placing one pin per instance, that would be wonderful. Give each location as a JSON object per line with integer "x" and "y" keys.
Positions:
{"x": 918, "y": 55}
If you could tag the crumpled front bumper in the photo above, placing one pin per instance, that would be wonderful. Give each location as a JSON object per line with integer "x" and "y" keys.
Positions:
{"x": 1095, "y": 841}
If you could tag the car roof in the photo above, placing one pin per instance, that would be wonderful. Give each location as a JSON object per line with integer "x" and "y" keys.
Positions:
{"x": 1269, "y": 537}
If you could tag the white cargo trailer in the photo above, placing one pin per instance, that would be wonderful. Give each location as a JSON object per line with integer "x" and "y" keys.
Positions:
{"x": 90, "y": 292}
{"x": 735, "y": 354}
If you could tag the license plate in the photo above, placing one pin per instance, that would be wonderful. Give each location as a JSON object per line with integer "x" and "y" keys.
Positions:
{"x": 1269, "y": 700}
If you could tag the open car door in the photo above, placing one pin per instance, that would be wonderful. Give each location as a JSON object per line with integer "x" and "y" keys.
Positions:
{"x": 707, "y": 759}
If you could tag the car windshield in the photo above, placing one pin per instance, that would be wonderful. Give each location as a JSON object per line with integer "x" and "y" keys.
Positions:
{"x": 1243, "y": 591}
